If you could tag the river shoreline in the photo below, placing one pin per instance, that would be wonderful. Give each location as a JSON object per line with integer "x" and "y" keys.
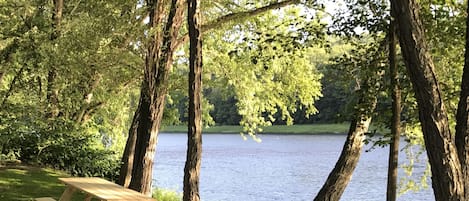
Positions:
{"x": 300, "y": 129}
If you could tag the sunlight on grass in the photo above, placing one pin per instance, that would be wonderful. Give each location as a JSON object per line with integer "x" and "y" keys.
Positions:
{"x": 26, "y": 183}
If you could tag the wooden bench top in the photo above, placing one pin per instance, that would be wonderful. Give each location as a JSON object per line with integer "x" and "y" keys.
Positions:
{"x": 103, "y": 189}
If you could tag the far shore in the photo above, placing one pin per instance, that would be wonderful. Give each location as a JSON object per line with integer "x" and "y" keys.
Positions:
{"x": 300, "y": 129}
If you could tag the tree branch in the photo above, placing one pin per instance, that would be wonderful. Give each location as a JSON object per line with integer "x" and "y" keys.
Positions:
{"x": 243, "y": 15}
{"x": 12, "y": 85}
{"x": 237, "y": 16}
{"x": 87, "y": 112}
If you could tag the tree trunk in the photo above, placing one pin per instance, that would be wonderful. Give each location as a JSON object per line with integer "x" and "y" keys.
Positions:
{"x": 127, "y": 161}
{"x": 462, "y": 121}
{"x": 137, "y": 161}
{"x": 194, "y": 136}
{"x": 52, "y": 94}
{"x": 150, "y": 114}
{"x": 391, "y": 192}
{"x": 340, "y": 176}
{"x": 136, "y": 166}
{"x": 447, "y": 180}
{"x": 52, "y": 91}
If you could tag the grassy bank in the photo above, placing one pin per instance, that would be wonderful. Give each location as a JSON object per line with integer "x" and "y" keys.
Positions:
{"x": 23, "y": 183}
{"x": 276, "y": 129}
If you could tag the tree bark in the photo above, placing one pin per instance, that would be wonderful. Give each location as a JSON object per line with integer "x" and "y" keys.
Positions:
{"x": 52, "y": 91}
{"x": 52, "y": 94}
{"x": 57, "y": 18}
{"x": 194, "y": 135}
{"x": 447, "y": 181}
{"x": 137, "y": 161}
{"x": 391, "y": 193}
{"x": 156, "y": 13}
{"x": 462, "y": 120}
{"x": 340, "y": 176}
{"x": 127, "y": 161}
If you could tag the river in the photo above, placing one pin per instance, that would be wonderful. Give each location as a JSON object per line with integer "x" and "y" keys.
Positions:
{"x": 281, "y": 167}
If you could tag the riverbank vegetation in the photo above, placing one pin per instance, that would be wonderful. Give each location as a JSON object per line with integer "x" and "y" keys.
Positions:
{"x": 274, "y": 129}
{"x": 85, "y": 86}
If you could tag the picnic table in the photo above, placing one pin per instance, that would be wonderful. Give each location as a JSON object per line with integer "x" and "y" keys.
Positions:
{"x": 100, "y": 189}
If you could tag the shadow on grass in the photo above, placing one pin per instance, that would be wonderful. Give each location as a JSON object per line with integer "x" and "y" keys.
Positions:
{"x": 25, "y": 183}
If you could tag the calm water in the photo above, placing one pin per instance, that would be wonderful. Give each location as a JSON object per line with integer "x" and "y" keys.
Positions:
{"x": 281, "y": 167}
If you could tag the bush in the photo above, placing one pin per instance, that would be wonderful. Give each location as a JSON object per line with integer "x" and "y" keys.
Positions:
{"x": 61, "y": 144}
{"x": 166, "y": 195}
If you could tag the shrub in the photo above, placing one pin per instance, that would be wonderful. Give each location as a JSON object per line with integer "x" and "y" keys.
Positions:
{"x": 61, "y": 144}
{"x": 166, "y": 195}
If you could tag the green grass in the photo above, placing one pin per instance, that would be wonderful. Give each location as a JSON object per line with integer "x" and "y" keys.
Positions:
{"x": 276, "y": 129}
{"x": 26, "y": 183}
{"x": 23, "y": 183}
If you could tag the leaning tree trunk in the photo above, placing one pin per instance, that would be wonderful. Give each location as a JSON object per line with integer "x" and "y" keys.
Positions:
{"x": 340, "y": 176}
{"x": 194, "y": 136}
{"x": 447, "y": 180}
{"x": 462, "y": 120}
{"x": 391, "y": 193}
{"x": 137, "y": 161}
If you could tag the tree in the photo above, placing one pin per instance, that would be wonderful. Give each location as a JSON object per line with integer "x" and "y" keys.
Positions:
{"x": 341, "y": 175}
{"x": 447, "y": 172}
{"x": 137, "y": 160}
{"x": 87, "y": 46}
{"x": 194, "y": 136}
{"x": 368, "y": 73}
{"x": 363, "y": 65}
{"x": 462, "y": 118}
{"x": 140, "y": 147}
{"x": 391, "y": 192}
{"x": 52, "y": 90}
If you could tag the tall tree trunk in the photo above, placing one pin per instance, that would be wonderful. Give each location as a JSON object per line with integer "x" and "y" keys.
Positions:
{"x": 137, "y": 162}
{"x": 447, "y": 181}
{"x": 52, "y": 91}
{"x": 391, "y": 192}
{"x": 462, "y": 120}
{"x": 340, "y": 176}
{"x": 136, "y": 166}
{"x": 194, "y": 135}
{"x": 127, "y": 161}
{"x": 52, "y": 94}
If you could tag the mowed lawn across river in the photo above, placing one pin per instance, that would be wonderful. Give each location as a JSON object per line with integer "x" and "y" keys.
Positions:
{"x": 281, "y": 167}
